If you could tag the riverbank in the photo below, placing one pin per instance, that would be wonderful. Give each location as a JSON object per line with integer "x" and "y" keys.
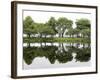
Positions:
{"x": 71, "y": 40}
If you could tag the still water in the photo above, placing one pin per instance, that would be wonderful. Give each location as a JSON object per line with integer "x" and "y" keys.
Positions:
{"x": 56, "y": 55}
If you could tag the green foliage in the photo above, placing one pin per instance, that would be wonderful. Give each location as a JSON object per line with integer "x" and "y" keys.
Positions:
{"x": 28, "y": 22}
{"x": 84, "y": 26}
{"x": 53, "y": 26}
{"x": 50, "y": 28}
{"x": 83, "y": 23}
{"x": 83, "y": 56}
{"x": 52, "y": 22}
{"x": 28, "y": 25}
{"x": 63, "y": 24}
{"x": 86, "y": 32}
{"x": 52, "y": 54}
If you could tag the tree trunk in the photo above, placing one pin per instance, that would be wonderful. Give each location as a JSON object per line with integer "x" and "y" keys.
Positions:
{"x": 28, "y": 44}
{"x": 41, "y": 44}
{"x": 45, "y": 43}
{"x": 28, "y": 35}
{"x": 59, "y": 35}
{"x": 29, "y": 38}
{"x": 45, "y": 36}
{"x": 51, "y": 43}
{"x": 83, "y": 45}
{"x": 62, "y": 35}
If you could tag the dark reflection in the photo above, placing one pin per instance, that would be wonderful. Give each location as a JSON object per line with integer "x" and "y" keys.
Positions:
{"x": 62, "y": 53}
{"x": 83, "y": 55}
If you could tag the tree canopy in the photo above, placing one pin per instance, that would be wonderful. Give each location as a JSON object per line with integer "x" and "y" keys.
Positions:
{"x": 57, "y": 26}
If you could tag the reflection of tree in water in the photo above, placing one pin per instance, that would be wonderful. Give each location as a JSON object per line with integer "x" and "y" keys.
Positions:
{"x": 64, "y": 57}
{"x": 30, "y": 53}
{"x": 53, "y": 53}
{"x": 83, "y": 55}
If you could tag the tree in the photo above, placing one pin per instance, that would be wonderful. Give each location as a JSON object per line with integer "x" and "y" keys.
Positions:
{"x": 83, "y": 23}
{"x": 62, "y": 24}
{"x": 52, "y": 22}
{"x": 52, "y": 25}
{"x": 86, "y": 33}
{"x": 83, "y": 56}
{"x": 84, "y": 26}
{"x": 28, "y": 26}
{"x": 70, "y": 32}
{"x": 39, "y": 28}
{"x": 76, "y": 32}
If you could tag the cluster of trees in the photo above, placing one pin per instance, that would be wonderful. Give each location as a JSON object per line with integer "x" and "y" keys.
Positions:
{"x": 59, "y": 26}
{"x": 83, "y": 28}
{"x": 52, "y": 54}
{"x": 33, "y": 28}
{"x": 53, "y": 27}
{"x": 40, "y": 32}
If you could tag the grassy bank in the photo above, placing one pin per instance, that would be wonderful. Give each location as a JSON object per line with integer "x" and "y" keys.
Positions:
{"x": 71, "y": 40}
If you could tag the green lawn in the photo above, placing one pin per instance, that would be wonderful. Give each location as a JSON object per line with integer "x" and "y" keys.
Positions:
{"x": 71, "y": 40}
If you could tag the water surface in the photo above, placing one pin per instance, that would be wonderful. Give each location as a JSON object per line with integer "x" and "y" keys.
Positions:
{"x": 56, "y": 55}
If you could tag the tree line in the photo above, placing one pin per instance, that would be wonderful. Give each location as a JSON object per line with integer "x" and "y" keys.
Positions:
{"x": 57, "y": 26}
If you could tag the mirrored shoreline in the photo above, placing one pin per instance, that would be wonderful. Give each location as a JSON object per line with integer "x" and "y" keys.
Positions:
{"x": 53, "y": 55}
